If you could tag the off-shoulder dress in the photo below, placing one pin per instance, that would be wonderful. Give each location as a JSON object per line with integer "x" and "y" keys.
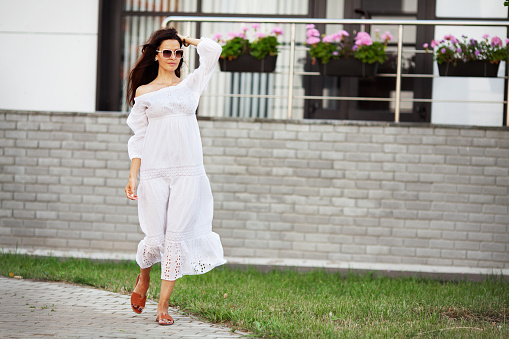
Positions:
{"x": 175, "y": 203}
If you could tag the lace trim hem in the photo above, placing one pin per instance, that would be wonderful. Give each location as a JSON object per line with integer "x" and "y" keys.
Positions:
{"x": 150, "y": 251}
{"x": 182, "y": 171}
{"x": 191, "y": 257}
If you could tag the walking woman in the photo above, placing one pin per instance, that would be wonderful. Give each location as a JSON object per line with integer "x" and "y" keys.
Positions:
{"x": 175, "y": 203}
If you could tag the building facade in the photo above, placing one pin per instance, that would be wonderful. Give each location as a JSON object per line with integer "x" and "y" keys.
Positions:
{"x": 85, "y": 49}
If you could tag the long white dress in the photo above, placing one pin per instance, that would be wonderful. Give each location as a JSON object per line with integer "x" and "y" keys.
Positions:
{"x": 175, "y": 203}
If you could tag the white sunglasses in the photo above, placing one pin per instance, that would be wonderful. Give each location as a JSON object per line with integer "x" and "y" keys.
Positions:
{"x": 167, "y": 53}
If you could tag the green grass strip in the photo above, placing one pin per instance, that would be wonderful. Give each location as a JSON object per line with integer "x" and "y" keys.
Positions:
{"x": 315, "y": 304}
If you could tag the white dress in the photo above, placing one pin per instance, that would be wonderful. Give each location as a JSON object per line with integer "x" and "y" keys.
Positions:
{"x": 175, "y": 204}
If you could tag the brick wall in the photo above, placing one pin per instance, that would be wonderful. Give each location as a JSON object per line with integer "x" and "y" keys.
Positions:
{"x": 316, "y": 192}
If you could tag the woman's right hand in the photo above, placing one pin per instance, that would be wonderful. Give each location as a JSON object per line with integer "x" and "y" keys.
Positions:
{"x": 130, "y": 189}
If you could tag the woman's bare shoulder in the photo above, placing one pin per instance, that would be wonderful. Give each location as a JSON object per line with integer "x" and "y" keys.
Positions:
{"x": 144, "y": 89}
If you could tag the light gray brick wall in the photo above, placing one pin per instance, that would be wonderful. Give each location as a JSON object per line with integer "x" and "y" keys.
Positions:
{"x": 309, "y": 190}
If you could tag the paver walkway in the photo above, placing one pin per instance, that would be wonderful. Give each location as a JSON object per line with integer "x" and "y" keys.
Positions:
{"x": 50, "y": 309}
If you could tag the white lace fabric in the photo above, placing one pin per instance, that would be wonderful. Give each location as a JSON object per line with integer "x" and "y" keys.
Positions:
{"x": 185, "y": 171}
{"x": 191, "y": 257}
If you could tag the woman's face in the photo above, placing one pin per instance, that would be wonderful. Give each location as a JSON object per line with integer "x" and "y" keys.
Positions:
{"x": 172, "y": 63}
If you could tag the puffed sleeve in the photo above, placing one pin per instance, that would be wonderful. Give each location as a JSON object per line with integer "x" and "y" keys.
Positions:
{"x": 209, "y": 52}
{"x": 138, "y": 122}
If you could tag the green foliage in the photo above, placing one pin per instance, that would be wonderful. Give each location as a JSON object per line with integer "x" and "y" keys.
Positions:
{"x": 264, "y": 46}
{"x": 315, "y": 304}
{"x": 324, "y": 52}
{"x": 372, "y": 53}
{"x": 235, "y": 47}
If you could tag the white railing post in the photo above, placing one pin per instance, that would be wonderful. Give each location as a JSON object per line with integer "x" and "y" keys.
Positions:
{"x": 507, "y": 99}
{"x": 292, "y": 66}
{"x": 397, "y": 107}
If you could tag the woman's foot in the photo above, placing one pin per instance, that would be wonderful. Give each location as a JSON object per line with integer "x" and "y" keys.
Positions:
{"x": 163, "y": 318}
{"x": 139, "y": 295}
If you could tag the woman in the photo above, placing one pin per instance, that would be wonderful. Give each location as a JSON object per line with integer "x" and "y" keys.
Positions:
{"x": 175, "y": 203}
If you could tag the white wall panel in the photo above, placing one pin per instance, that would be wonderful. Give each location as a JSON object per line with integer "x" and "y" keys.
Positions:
{"x": 49, "y": 16}
{"x": 475, "y": 9}
{"x": 49, "y": 55}
{"x": 48, "y": 72}
{"x": 468, "y": 89}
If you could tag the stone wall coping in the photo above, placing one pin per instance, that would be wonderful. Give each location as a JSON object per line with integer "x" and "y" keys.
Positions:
{"x": 283, "y": 121}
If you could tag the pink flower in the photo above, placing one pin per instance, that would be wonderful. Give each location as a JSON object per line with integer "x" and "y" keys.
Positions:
{"x": 328, "y": 38}
{"x": 355, "y": 47}
{"x": 363, "y": 39}
{"x": 260, "y": 35}
{"x": 364, "y": 42}
{"x": 496, "y": 41}
{"x": 341, "y": 34}
{"x": 443, "y": 50}
{"x": 362, "y": 35}
{"x": 387, "y": 36}
{"x": 377, "y": 30}
{"x": 310, "y": 26}
{"x": 312, "y": 40}
{"x": 433, "y": 44}
{"x": 335, "y": 53}
{"x": 425, "y": 45}
{"x": 336, "y": 36}
{"x": 277, "y": 30}
{"x": 451, "y": 38}
{"x": 312, "y": 32}
{"x": 217, "y": 36}
{"x": 485, "y": 36}
{"x": 232, "y": 35}
{"x": 245, "y": 28}
{"x": 255, "y": 26}
{"x": 507, "y": 41}
{"x": 477, "y": 53}
{"x": 458, "y": 50}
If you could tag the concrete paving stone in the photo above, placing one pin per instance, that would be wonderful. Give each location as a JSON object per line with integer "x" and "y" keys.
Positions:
{"x": 38, "y": 309}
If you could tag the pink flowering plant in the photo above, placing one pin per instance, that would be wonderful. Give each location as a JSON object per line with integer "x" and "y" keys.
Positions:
{"x": 451, "y": 49}
{"x": 339, "y": 45}
{"x": 238, "y": 43}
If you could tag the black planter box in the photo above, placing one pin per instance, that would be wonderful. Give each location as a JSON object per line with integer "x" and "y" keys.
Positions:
{"x": 348, "y": 68}
{"x": 248, "y": 63}
{"x": 469, "y": 69}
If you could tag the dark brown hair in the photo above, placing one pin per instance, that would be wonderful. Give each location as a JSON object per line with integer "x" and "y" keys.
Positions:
{"x": 146, "y": 69}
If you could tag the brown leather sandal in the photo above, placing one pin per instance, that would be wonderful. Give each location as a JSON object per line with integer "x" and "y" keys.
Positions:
{"x": 137, "y": 300}
{"x": 163, "y": 317}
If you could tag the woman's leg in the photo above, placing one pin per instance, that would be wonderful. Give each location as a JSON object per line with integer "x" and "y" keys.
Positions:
{"x": 139, "y": 295}
{"x": 144, "y": 282}
{"x": 152, "y": 200}
{"x": 164, "y": 300}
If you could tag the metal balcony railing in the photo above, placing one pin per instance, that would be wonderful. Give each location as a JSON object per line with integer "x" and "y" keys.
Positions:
{"x": 302, "y": 21}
